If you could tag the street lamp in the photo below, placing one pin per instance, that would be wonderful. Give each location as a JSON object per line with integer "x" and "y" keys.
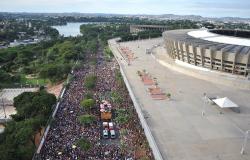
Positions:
{"x": 244, "y": 142}
{"x": 204, "y": 104}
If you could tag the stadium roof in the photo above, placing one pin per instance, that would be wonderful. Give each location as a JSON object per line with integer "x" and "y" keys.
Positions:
{"x": 206, "y": 35}
{"x": 206, "y": 39}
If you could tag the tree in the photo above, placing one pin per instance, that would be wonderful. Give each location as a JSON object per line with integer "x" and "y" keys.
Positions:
{"x": 55, "y": 72}
{"x": 88, "y": 104}
{"x": 31, "y": 104}
{"x": 18, "y": 139}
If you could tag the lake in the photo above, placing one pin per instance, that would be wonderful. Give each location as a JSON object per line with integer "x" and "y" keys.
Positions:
{"x": 71, "y": 29}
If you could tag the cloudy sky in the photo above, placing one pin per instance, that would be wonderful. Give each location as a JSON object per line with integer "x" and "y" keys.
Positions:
{"x": 211, "y": 8}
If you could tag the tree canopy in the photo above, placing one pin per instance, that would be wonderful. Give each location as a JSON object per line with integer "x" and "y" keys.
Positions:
{"x": 88, "y": 103}
{"x": 18, "y": 139}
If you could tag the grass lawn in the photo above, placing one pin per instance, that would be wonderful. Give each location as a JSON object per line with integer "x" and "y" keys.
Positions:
{"x": 33, "y": 81}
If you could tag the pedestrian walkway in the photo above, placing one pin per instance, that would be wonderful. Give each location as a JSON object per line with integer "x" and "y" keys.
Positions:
{"x": 181, "y": 132}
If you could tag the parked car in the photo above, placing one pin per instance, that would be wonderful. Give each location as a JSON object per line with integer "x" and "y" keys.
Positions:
{"x": 105, "y": 134}
{"x": 112, "y": 133}
{"x": 111, "y": 126}
{"x": 105, "y": 125}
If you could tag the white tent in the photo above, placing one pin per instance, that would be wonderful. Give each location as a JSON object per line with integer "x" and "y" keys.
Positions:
{"x": 225, "y": 103}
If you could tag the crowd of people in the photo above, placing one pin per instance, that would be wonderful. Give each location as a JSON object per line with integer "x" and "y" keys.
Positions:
{"x": 66, "y": 130}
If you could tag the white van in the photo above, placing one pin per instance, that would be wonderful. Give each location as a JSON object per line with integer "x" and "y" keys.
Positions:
{"x": 105, "y": 125}
{"x": 105, "y": 134}
{"x": 112, "y": 133}
{"x": 111, "y": 126}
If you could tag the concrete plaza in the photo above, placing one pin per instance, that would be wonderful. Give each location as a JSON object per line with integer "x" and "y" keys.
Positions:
{"x": 180, "y": 130}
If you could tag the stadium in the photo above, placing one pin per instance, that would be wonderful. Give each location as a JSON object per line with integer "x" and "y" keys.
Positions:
{"x": 222, "y": 50}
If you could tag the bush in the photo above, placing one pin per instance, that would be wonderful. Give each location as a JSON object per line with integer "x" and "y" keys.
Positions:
{"x": 122, "y": 116}
{"x": 87, "y": 103}
{"x": 116, "y": 97}
{"x": 90, "y": 82}
{"x": 108, "y": 53}
{"x": 119, "y": 78}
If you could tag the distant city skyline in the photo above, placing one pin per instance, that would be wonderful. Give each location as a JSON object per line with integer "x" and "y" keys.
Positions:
{"x": 209, "y": 8}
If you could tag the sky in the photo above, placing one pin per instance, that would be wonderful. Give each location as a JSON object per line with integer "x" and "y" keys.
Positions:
{"x": 207, "y": 8}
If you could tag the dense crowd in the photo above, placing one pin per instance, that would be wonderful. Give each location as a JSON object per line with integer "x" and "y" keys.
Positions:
{"x": 65, "y": 131}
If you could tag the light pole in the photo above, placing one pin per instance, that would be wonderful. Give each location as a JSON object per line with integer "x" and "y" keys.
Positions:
{"x": 5, "y": 116}
{"x": 244, "y": 142}
{"x": 204, "y": 104}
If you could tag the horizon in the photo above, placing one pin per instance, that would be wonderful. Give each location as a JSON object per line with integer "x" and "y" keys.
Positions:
{"x": 213, "y": 8}
{"x": 25, "y": 12}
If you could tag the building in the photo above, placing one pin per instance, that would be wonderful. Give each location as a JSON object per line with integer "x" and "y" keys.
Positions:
{"x": 140, "y": 28}
{"x": 222, "y": 50}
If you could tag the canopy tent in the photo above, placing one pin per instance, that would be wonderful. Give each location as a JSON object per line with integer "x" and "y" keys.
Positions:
{"x": 105, "y": 106}
{"x": 225, "y": 103}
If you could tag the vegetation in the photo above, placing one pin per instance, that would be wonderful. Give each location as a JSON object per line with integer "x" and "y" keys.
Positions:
{"x": 86, "y": 119}
{"x": 12, "y": 29}
{"x": 52, "y": 60}
{"x": 108, "y": 53}
{"x": 122, "y": 116}
{"x": 88, "y": 103}
{"x": 116, "y": 97}
{"x": 90, "y": 82}
{"x": 119, "y": 78}
{"x": 48, "y": 61}
{"x": 18, "y": 139}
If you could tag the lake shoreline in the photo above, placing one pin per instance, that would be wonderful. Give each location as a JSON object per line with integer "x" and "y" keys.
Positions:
{"x": 72, "y": 28}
